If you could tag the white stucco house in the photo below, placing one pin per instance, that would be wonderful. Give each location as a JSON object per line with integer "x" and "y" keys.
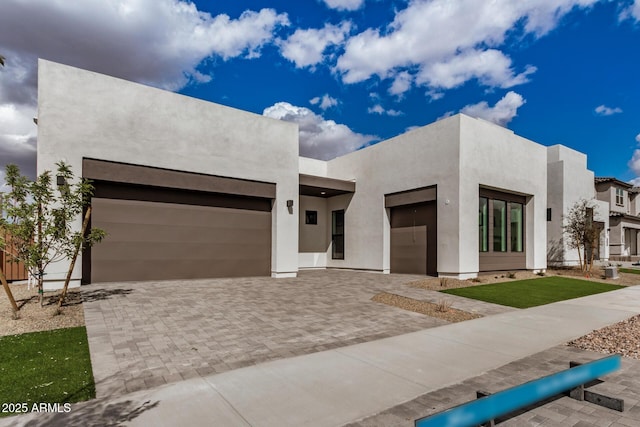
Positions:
{"x": 188, "y": 189}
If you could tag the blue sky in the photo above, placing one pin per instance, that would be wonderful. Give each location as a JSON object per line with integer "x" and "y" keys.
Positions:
{"x": 351, "y": 72}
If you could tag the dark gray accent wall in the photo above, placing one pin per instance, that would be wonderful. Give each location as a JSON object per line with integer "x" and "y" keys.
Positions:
{"x": 103, "y": 170}
{"x": 318, "y": 186}
{"x": 418, "y": 195}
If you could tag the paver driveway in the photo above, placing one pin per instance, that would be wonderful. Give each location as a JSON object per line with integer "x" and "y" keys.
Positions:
{"x": 144, "y": 334}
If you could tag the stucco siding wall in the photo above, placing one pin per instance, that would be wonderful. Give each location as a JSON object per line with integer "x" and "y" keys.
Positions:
{"x": 314, "y": 238}
{"x": 492, "y": 156}
{"x": 419, "y": 158}
{"x": 574, "y": 183}
{"x": 85, "y": 114}
{"x": 556, "y": 245}
{"x": 315, "y": 167}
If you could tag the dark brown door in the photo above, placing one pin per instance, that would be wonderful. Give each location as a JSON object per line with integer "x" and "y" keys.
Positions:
{"x": 154, "y": 241}
{"x": 414, "y": 239}
{"x": 409, "y": 250}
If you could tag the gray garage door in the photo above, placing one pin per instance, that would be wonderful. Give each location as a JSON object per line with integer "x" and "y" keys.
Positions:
{"x": 152, "y": 240}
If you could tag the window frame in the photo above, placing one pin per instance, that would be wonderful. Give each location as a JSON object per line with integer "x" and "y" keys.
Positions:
{"x": 483, "y": 224}
{"x": 619, "y": 196}
{"x": 337, "y": 238}
{"x": 508, "y": 198}
{"x": 501, "y": 243}
{"x": 519, "y": 244}
{"x": 311, "y": 217}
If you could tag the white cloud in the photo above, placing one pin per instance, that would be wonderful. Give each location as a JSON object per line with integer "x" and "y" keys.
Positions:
{"x": 491, "y": 68}
{"x": 306, "y": 48}
{"x": 631, "y": 12}
{"x": 157, "y": 42}
{"x": 445, "y": 115}
{"x": 603, "y": 110}
{"x": 501, "y": 113}
{"x": 378, "y": 109}
{"x": 344, "y": 4}
{"x": 325, "y": 102}
{"x": 446, "y": 40}
{"x": 401, "y": 83}
{"x": 319, "y": 138}
{"x": 18, "y": 137}
{"x": 634, "y": 163}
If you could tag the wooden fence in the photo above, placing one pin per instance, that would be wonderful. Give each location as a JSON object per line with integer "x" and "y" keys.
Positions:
{"x": 12, "y": 270}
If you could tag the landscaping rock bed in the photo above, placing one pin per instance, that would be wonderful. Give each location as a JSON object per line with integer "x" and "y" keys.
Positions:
{"x": 34, "y": 318}
{"x": 440, "y": 311}
{"x": 622, "y": 338}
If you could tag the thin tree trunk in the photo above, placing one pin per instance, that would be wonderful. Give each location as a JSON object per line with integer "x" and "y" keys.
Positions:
{"x": 580, "y": 257}
{"x": 40, "y": 269}
{"x": 593, "y": 253}
{"x": 7, "y": 289}
{"x": 85, "y": 224}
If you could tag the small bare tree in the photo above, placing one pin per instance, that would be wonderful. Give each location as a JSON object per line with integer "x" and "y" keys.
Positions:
{"x": 38, "y": 215}
{"x": 582, "y": 232}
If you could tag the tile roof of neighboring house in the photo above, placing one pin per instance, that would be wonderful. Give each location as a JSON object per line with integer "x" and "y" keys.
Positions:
{"x": 634, "y": 190}
{"x": 616, "y": 181}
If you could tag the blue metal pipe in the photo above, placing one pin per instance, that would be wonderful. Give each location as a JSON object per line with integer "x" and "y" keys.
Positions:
{"x": 482, "y": 410}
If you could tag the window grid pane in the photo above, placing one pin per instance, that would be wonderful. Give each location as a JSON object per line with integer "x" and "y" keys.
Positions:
{"x": 499, "y": 226}
{"x": 483, "y": 219}
{"x": 516, "y": 227}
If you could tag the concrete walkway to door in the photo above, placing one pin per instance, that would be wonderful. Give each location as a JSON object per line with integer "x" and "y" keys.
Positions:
{"x": 146, "y": 334}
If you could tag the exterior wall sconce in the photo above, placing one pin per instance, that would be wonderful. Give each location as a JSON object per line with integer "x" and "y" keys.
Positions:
{"x": 60, "y": 180}
{"x": 289, "y": 203}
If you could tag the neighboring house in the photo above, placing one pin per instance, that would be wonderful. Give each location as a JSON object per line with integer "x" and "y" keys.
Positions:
{"x": 191, "y": 189}
{"x": 624, "y": 215}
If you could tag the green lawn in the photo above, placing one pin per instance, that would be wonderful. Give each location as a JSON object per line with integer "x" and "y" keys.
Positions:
{"x": 629, "y": 270}
{"x": 533, "y": 292}
{"x": 46, "y": 367}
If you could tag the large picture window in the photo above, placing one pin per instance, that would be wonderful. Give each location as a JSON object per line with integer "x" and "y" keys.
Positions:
{"x": 515, "y": 216}
{"x": 499, "y": 226}
{"x": 483, "y": 221}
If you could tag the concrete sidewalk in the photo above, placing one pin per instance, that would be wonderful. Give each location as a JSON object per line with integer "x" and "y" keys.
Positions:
{"x": 335, "y": 387}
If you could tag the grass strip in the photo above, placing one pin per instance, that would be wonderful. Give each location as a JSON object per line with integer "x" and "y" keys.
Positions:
{"x": 46, "y": 367}
{"x": 533, "y": 292}
{"x": 629, "y": 270}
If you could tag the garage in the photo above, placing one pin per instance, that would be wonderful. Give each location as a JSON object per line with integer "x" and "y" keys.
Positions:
{"x": 413, "y": 235}
{"x": 167, "y": 225}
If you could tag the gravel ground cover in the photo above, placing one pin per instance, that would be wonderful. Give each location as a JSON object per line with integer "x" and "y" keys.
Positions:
{"x": 441, "y": 310}
{"x": 34, "y": 318}
{"x": 622, "y": 338}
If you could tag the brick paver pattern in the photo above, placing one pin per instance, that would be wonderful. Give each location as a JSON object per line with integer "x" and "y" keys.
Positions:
{"x": 555, "y": 412}
{"x": 145, "y": 334}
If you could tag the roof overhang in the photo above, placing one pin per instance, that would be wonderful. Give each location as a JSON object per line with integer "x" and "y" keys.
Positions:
{"x": 614, "y": 181}
{"x": 318, "y": 186}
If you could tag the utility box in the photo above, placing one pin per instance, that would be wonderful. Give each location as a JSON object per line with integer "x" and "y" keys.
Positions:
{"x": 611, "y": 272}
